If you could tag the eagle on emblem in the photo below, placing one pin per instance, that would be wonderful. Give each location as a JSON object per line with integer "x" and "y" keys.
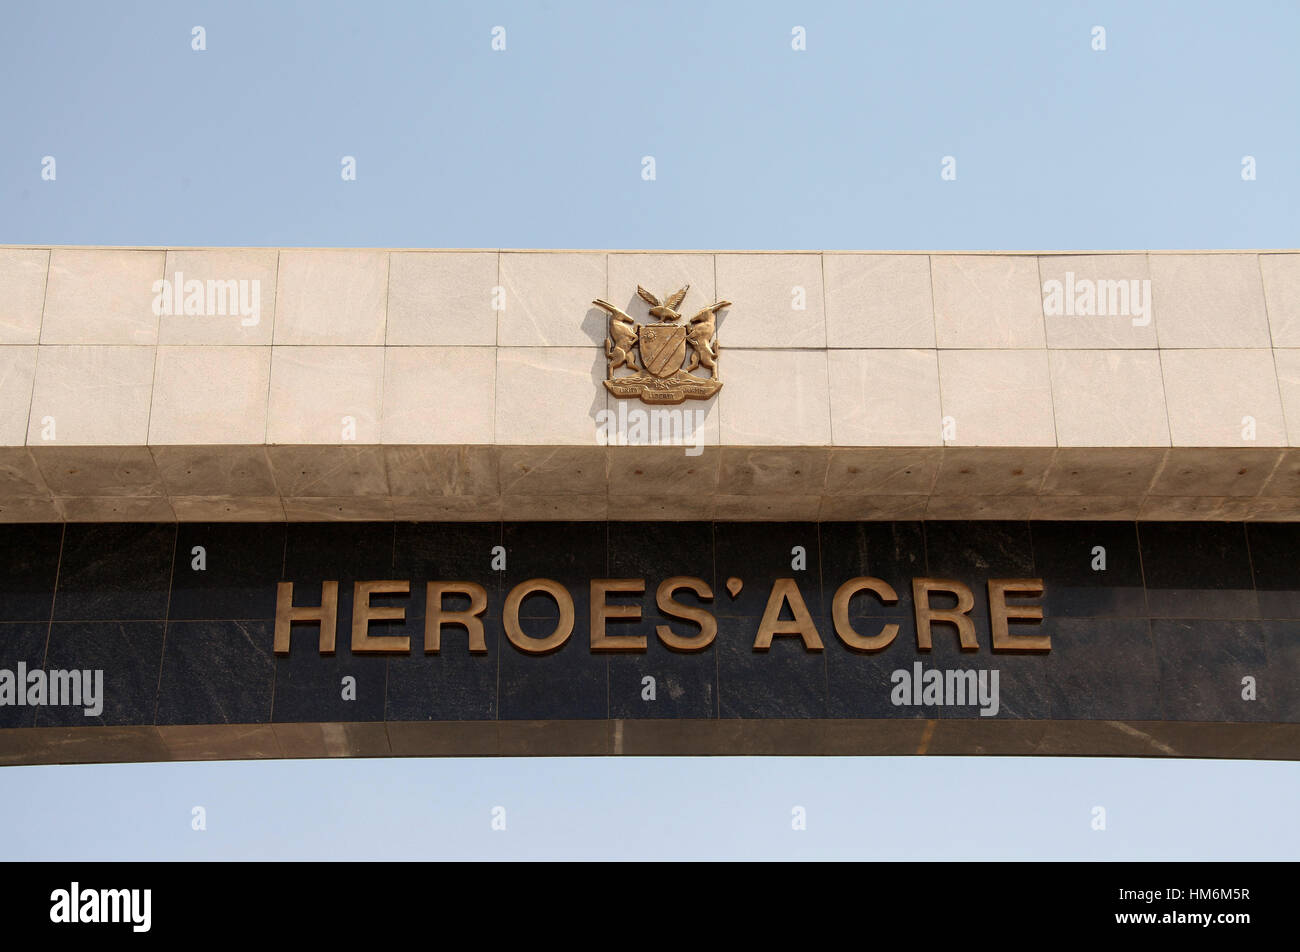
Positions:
{"x": 662, "y": 373}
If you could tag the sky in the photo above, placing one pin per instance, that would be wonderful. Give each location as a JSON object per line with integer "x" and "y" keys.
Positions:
{"x": 755, "y": 145}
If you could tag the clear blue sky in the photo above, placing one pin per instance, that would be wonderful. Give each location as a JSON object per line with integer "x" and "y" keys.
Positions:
{"x": 756, "y": 146}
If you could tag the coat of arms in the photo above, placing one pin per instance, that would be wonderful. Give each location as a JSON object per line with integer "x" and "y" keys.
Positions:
{"x": 663, "y": 374}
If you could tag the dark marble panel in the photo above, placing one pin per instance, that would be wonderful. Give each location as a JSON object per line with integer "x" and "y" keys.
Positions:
{"x": 1197, "y": 570}
{"x": 759, "y": 553}
{"x": 309, "y": 686}
{"x": 973, "y": 553}
{"x": 29, "y": 564}
{"x": 571, "y": 553}
{"x": 569, "y": 683}
{"x": 1202, "y": 663}
{"x": 115, "y": 571}
{"x": 863, "y": 684}
{"x": 129, "y": 653}
{"x": 242, "y": 562}
{"x": 785, "y": 681}
{"x": 346, "y": 552}
{"x": 1275, "y": 560}
{"x": 1280, "y": 688}
{"x": 892, "y": 551}
{"x": 426, "y": 552}
{"x": 217, "y": 672}
{"x": 1064, "y": 556}
{"x": 685, "y": 683}
{"x": 21, "y": 642}
{"x": 1103, "y": 669}
{"x": 452, "y": 685}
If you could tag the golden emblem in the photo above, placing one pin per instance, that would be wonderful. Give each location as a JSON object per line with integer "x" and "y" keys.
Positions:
{"x": 663, "y": 374}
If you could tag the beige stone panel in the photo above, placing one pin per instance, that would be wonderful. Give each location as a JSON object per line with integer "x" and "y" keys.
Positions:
{"x": 1122, "y": 508}
{"x": 28, "y": 509}
{"x": 997, "y": 397}
{"x": 1285, "y": 478}
{"x": 980, "y": 507}
{"x": 1208, "y": 301}
{"x": 1281, "y": 274}
{"x": 877, "y": 508}
{"x": 878, "y": 301}
{"x": 1210, "y": 393}
{"x": 338, "y": 509}
{"x": 214, "y": 471}
{"x": 570, "y": 507}
{"x": 548, "y": 396}
{"x": 331, "y": 297}
{"x": 1102, "y": 471}
{"x": 210, "y": 394}
{"x": 101, "y": 297}
{"x": 653, "y": 471}
{"x": 771, "y": 471}
{"x": 228, "y": 508}
{"x": 981, "y": 472}
{"x": 548, "y": 300}
{"x": 656, "y": 507}
{"x": 691, "y": 425}
{"x": 553, "y": 470}
{"x": 433, "y": 472}
{"x": 1195, "y": 508}
{"x": 439, "y": 394}
{"x": 325, "y": 471}
{"x": 446, "y": 508}
{"x": 866, "y": 472}
{"x": 1099, "y": 301}
{"x": 781, "y": 508}
{"x": 774, "y": 397}
{"x": 19, "y": 475}
{"x": 1108, "y": 398}
{"x": 116, "y": 509}
{"x": 313, "y": 390}
{"x": 884, "y": 397}
{"x": 987, "y": 301}
{"x": 98, "y": 470}
{"x": 242, "y": 313}
{"x": 1274, "y": 509}
{"x": 22, "y": 293}
{"x": 91, "y": 395}
{"x": 441, "y": 298}
{"x": 662, "y": 275}
{"x": 764, "y": 290}
{"x": 1193, "y": 472}
{"x": 17, "y": 375}
{"x": 1287, "y": 362}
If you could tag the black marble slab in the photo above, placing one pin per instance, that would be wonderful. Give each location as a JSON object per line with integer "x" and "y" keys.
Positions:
{"x": 1178, "y": 622}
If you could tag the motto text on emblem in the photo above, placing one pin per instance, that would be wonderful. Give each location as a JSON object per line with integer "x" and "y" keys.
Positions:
{"x": 663, "y": 374}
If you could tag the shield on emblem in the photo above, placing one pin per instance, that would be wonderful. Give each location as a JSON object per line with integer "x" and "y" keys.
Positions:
{"x": 663, "y": 348}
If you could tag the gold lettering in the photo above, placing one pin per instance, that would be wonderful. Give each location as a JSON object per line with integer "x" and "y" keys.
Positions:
{"x": 959, "y": 616}
{"x": 840, "y": 613}
{"x": 675, "y": 609}
{"x": 286, "y": 613}
{"x": 435, "y": 616}
{"x": 601, "y": 611}
{"x": 563, "y": 628}
{"x": 784, "y": 591}
{"x": 1000, "y": 612}
{"x": 363, "y": 613}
